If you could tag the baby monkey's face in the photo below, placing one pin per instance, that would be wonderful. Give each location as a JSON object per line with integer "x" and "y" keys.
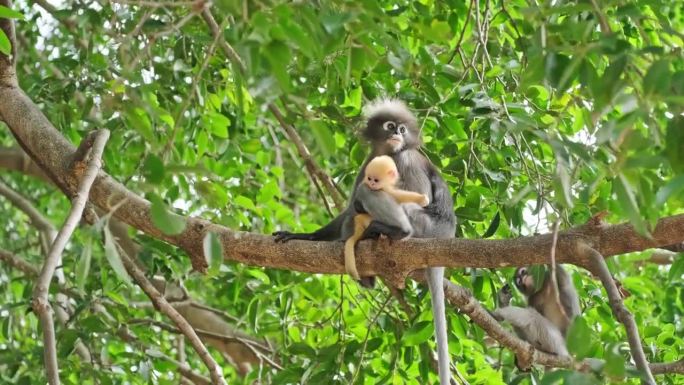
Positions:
{"x": 378, "y": 181}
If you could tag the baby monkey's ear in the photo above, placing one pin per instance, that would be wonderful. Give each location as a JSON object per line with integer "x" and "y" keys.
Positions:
{"x": 392, "y": 173}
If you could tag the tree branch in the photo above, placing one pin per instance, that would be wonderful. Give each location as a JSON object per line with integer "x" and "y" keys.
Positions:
{"x": 8, "y": 76}
{"x": 600, "y": 269}
{"x": 40, "y": 303}
{"x": 161, "y": 304}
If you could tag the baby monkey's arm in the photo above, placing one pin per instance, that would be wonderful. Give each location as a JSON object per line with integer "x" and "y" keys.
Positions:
{"x": 403, "y": 196}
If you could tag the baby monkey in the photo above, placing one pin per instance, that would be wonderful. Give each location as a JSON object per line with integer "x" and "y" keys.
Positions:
{"x": 379, "y": 184}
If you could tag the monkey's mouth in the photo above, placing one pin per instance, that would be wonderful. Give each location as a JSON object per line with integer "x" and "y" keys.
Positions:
{"x": 394, "y": 141}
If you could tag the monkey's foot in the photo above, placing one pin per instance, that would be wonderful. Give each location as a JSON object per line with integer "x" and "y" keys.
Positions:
{"x": 284, "y": 236}
{"x": 384, "y": 241}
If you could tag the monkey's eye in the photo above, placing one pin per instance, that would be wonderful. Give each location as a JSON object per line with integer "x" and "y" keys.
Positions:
{"x": 389, "y": 126}
{"x": 377, "y": 180}
{"x": 369, "y": 178}
{"x": 402, "y": 128}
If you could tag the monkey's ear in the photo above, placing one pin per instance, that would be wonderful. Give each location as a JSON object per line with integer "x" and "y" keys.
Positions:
{"x": 392, "y": 173}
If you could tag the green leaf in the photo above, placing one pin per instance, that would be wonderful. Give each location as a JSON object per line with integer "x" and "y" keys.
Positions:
{"x": 5, "y": 45}
{"x": 625, "y": 195}
{"x": 677, "y": 269}
{"x": 260, "y": 275}
{"x": 153, "y": 169}
{"x": 217, "y": 123}
{"x": 83, "y": 266}
{"x": 418, "y": 333}
{"x": 8, "y": 13}
{"x": 324, "y": 137}
{"x": 245, "y": 202}
{"x": 657, "y": 78}
{"x": 112, "y": 255}
{"x": 493, "y": 226}
{"x": 213, "y": 251}
{"x": 579, "y": 338}
{"x": 674, "y": 187}
{"x": 615, "y": 362}
{"x": 166, "y": 221}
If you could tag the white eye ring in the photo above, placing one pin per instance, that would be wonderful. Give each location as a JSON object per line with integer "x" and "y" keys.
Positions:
{"x": 402, "y": 128}
{"x": 389, "y": 126}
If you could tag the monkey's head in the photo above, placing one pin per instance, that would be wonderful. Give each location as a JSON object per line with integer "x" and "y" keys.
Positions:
{"x": 504, "y": 296}
{"x": 390, "y": 127}
{"x": 381, "y": 172}
{"x": 524, "y": 281}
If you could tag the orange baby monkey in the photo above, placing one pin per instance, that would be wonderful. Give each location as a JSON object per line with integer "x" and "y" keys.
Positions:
{"x": 378, "y": 189}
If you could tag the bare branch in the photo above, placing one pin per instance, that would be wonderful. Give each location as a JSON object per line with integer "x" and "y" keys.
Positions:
{"x": 164, "y": 307}
{"x": 600, "y": 269}
{"x": 23, "y": 204}
{"x": 8, "y": 75}
{"x": 40, "y": 303}
{"x": 670, "y": 367}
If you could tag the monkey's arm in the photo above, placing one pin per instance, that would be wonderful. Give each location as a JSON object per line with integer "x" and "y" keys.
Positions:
{"x": 441, "y": 204}
{"x": 389, "y": 218}
{"x": 533, "y": 328}
{"x": 403, "y": 196}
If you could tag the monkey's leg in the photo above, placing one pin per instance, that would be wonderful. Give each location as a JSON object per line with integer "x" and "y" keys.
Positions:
{"x": 361, "y": 221}
{"x": 376, "y": 228}
{"x": 329, "y": 232}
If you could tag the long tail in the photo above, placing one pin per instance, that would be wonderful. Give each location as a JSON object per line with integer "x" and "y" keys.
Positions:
{"x": 435, "y": 278}
{"x": 350, "y": 258}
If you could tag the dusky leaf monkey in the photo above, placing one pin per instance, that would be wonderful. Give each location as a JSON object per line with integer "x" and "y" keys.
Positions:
{"x": 545, "y": 320}
{"x": 392, "y": 130}
{"x": 380, "y": 178}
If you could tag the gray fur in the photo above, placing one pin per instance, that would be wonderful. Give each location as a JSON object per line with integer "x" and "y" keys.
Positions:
{"x": 534, "y": 328}
{"x": 382, "y": 207}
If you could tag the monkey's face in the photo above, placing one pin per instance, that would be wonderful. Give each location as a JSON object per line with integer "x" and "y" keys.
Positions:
{"x": 390, "y": 134}
{"x": 379, "y": 180}
{"x": 524, "y": 281}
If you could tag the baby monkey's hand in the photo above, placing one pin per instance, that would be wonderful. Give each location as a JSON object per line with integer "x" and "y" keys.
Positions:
{"x": 425, "y": 201}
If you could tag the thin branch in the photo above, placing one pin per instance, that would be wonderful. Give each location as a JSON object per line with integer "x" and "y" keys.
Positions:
{"x": 40, "y": 303}
{"x": 292, "y": 134}
{"x": 600, "y": 269}
{"x": 669, "y": 367}
{"x": 165, "y": 307}
{"x": 8, "y": 76}
{"x": 460, "y": 37}
{"x": 23, "y": 204}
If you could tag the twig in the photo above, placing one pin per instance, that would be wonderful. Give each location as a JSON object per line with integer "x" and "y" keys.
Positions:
{"x": 365, "y": 340}
{"x": 143, "y": 3}
{"x": 23, "y": 204}
{"x": 605, "y": 27}
{"x": 554, "y": 279}
{"x": 291, "y": 133}
{"x": 460, "y": 37}
{"x": 161, "y": 304}
{"x": 40, "y": 303}
{"x": 600, "y": 269}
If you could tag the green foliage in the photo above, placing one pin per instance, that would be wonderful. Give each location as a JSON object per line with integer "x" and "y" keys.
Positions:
{"x": 534, "y": 112}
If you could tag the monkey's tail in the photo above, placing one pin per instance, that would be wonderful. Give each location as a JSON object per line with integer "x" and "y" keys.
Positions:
{"x": 435, "y": 278}
{"x": 350, "y": 258}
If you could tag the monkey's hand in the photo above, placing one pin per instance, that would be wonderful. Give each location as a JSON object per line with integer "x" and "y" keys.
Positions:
{"x": 424, "y": 201}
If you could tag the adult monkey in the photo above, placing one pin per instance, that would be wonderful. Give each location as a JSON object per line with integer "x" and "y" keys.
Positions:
{"x": 392, "y": 130}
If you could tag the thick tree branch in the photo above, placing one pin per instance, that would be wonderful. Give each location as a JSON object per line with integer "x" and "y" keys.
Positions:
{"x": 600, "y": 269}
{"x": 40, "y": 303}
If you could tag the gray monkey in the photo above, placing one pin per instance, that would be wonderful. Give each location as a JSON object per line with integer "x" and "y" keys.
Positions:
{"x": 543, "y": 323}
{"x": 393, "y": 130}
{"x": 530, "y": 325}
